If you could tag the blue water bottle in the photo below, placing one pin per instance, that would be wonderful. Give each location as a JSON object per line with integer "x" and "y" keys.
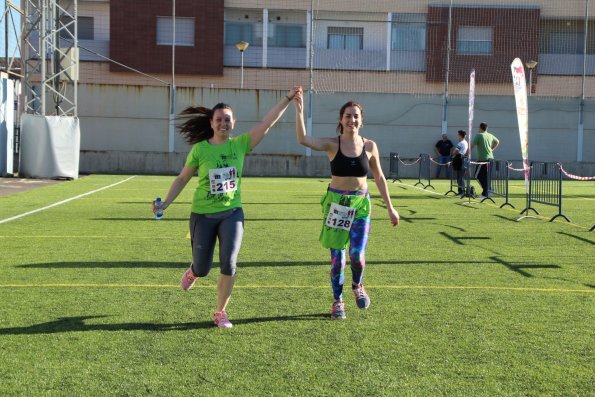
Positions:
{"x": 159, "y": 212}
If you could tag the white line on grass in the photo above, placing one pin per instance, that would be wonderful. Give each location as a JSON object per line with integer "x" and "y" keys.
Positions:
{"x": 64, "y": 201}
{"x": 437, "y": 287}
{"x": 422, "y": 189}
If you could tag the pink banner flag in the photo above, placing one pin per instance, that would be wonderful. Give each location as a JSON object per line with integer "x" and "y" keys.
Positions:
{"x": 522, "y": 111}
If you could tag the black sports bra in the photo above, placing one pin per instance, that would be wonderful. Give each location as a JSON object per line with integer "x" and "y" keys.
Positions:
{"x": 342, "y": 165}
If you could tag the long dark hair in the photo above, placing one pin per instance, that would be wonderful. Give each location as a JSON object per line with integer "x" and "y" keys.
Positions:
{"x": 198, "y": 127}
{"x": 347, "y": 105}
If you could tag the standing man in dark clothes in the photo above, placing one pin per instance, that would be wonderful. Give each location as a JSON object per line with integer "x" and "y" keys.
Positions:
{"x": 443, "y": 149}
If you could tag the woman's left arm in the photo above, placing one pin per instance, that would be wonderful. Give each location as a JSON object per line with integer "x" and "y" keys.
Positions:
{"x": 260, "y": 130}
{"x": 380, "y": 181}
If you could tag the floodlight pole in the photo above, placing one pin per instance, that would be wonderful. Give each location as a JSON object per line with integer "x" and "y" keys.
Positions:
{"x": 531, "y": 65}
{"x": 242, "y": 67}
{"x": 447, "y": 73}
{"x": 309, "y": 120}
{"x": 581, "y": 115}
{"x": 242, "y": 46}
{"x": 172, "y": 87}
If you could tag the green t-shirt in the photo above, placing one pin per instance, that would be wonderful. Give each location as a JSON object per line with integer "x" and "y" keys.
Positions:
{"x": 483, "y": 142}
{"x": 336, "y": 228}
{"x": 219, "y": 174}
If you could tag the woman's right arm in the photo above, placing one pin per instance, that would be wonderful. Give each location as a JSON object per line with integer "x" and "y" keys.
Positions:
{"x": 300, "y": 127}
{"x": 177, "y": 186}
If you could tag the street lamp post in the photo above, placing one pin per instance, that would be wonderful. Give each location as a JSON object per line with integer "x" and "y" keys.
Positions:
{"x": 242, "y": 45}
{"x": 531, "y": 65}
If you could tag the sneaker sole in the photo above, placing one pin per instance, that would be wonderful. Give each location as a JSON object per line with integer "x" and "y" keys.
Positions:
{"x": 364, "y": 306}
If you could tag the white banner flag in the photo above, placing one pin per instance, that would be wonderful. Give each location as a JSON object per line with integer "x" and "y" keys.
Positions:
{"x": 471, "y": 107}
{"x": 522, "y": 111}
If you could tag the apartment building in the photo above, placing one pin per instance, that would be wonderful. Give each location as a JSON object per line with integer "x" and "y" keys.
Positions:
{"x": 407, "y": 61}
{"x": 401, "y": 46}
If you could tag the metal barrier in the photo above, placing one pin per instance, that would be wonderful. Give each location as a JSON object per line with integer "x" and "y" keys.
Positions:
{"x": 498, "y": 177}
{"x": 393, "y": 172}
{"x": 545, "y": 187}
{"x": 453, "y": 181}
{"x": 478, "y": 167}
{"x": 425, "y": 171}
{"x": 469, "y": 190}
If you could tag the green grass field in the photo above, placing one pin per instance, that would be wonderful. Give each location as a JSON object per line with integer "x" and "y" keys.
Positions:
{"x": 465, "y": 301}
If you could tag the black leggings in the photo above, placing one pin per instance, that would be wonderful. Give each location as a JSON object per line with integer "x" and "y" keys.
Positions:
{"x": 228, "y": 226}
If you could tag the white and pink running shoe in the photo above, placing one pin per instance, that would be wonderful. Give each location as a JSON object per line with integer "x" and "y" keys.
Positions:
{"x": 221, "y": 320}
{"x": 188, "y": 279}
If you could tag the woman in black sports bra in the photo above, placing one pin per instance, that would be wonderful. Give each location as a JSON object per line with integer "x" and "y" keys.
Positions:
{"x": 346, "y": 204}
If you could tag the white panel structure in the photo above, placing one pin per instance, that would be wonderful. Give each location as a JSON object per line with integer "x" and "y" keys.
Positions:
{"x": 50, "y": 147}
{"x": 7, "y": 127}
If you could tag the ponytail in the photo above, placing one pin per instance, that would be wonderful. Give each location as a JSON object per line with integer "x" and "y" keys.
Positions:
{"x": 198, "y": 127}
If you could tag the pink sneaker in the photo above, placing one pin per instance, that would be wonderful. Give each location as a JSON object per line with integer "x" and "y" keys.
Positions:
{"x": 221, "y": 320}
{"x": 338, "y": 312}
{"x": 188, "y": 279}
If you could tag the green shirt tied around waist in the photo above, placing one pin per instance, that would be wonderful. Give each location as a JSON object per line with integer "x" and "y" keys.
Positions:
{"x": 343, "y": 210}
{"x": 484, "y": 142}
{"x": 219, "y": 174}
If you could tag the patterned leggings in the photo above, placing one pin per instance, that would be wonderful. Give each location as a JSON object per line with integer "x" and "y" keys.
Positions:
{"x": 358, "y": 240}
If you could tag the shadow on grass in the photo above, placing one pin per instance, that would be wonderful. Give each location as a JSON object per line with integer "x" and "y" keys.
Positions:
{"x": 506, "y": 218}
{"x": 77, "y": 324}
{"x": 518, "y": 268}
{"x": 412, "y": 220}
{"x": 459, "y": 240}
{"x": 467, "y": 203}
{"x": 184, "y": 265}
{"x": 577, "y": 237}
{"x": 455, "y": 227}
{"x": 412, "y": 197}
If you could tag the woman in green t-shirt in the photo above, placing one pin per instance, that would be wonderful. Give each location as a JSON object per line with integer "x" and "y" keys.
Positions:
{"x": 217, "y": 205}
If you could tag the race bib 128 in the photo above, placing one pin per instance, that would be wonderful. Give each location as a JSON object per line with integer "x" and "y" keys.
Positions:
{"x": 340, "y": 217}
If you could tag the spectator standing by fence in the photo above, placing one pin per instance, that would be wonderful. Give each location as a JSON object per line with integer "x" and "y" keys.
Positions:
{"x": 443, "y": 148}
{"x": 459, "y": 153}
{"x": 485, "y": 143}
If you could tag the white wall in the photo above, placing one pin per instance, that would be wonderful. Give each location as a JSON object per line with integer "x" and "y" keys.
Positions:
{"x": 134, "y": 119}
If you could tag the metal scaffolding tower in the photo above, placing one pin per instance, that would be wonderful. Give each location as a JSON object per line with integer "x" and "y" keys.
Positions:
{"x": 50, "y": 57}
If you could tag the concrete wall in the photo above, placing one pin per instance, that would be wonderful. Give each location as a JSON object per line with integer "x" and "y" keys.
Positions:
{"x": 124, "y": 129}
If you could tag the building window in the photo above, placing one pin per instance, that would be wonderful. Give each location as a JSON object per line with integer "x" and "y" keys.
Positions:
{"x": 345, "y": 38}
{"x": 474, "y": 40}
{"x": 408, "y": 32}
{"x": 86, "y": 28}
{"x": 184, "y": 31}
{"x": 283, "y": 35}
{"x": 565, "y": 43}
{"x": 235, "y": 32}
